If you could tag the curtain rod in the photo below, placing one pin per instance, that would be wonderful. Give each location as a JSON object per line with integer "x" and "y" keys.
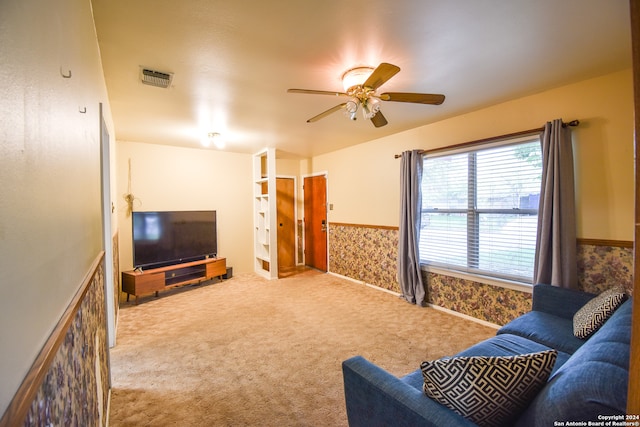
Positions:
{"x": 572, "y": 123}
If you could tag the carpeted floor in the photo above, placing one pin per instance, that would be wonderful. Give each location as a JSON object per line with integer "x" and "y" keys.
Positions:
{"x": 252, "y": 352}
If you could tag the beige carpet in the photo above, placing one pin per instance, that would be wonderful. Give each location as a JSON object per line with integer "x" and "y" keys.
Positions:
{"x": 253, "y": 352}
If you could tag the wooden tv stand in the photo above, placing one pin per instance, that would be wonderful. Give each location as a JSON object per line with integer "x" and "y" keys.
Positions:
{"x": 138, "y": 283}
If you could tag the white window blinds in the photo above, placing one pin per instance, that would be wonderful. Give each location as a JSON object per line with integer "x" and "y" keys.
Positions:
{"x": 480, "y": 209}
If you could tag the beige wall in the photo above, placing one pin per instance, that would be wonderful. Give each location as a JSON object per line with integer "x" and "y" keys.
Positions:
{"x": 287, "y": 167}
{"x": 367, "y": 191}
{"x": 50, "y": 217}
{"x": 173, "y": 178}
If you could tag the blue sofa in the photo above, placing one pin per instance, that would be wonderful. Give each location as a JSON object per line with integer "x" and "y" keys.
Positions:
{"x": 589, "y": 378}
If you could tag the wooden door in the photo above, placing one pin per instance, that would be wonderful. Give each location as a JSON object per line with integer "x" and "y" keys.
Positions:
{"x": 285, "y": 206}
{"x": 315, "y": 222}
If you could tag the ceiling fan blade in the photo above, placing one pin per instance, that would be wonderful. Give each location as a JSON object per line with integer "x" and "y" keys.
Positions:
{"x": 380, "y": 75}
{"x": 316, "y": 92}
{"x": 379, "y": 120}
{"x": 326, "y": 113}
{"x": 418, "y": 98}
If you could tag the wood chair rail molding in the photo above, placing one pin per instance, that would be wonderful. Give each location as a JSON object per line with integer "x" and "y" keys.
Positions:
{"x": 604, "y": 242}
{"x": 380, "y": 227}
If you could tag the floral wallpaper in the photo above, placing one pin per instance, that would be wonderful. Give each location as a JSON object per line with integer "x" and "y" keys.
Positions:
{"x": 369, "y": 254}
{"x": 75, "y": 390}
{"x": 485, "y": 302}
{"x": 601, "y": 267}
{"x": 365, "y": 253}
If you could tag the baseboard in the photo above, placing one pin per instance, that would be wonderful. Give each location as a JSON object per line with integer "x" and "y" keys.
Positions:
{"x": 350, "y": 279}
{"x": 360, "y": 282}
{"x": 465, "y": 316}
{"x": 435, "y": 307}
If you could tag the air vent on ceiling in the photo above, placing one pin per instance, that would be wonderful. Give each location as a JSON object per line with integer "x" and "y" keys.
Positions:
{"x": 155, "y": 78}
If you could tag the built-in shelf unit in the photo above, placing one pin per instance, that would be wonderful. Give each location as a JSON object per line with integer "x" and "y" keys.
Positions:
{"x": 264, "y": 202}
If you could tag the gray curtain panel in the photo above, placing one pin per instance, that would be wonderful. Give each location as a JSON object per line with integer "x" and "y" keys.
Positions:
{"x": 555, "y": 258}
{"x": 409, "y": 274}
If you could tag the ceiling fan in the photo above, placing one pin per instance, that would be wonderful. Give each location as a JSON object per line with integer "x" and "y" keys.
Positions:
{"x": 360, "y": 85}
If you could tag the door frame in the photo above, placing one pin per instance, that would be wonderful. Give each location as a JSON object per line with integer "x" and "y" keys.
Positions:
{"x": 107, "y": 208}
{"x": 326, "y": 195}
{"x": 295, "y": 212}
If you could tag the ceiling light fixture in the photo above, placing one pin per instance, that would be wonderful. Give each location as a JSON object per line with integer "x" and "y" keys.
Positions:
{"x": 353, "y": 81}
{"x": 370, "y": 106}
{"x": 355, "y": 77}
{"x": 360, "y": 85}
{"x": 351, "y": 108}
{"x": 215, "y": 138}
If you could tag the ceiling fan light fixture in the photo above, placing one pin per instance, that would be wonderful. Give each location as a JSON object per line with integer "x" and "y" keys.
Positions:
{"x": 355, "y": 77}
{"x": 351, "y": 108}
{"x": 370, "y": 107}
{"x": 361, "y": 85}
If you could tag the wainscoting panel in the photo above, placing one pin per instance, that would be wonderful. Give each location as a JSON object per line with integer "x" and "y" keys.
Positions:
{"x": 365, "y": 253}
{"x": 369, "y": 254}
{"x": 485, "y": 302}
{"x": 601, "y": 266}
{"x": 69, "y": 382}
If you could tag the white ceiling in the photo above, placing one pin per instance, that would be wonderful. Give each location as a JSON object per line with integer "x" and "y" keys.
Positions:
{"x": 233, "y": 62}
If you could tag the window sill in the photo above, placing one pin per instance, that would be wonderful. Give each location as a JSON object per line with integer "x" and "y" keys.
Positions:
{"x": 502, "y": 283}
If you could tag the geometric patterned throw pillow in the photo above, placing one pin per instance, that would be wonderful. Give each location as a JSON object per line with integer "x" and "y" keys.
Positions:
{"x": 593, "y": 314}
{"x": 488, "y": 390}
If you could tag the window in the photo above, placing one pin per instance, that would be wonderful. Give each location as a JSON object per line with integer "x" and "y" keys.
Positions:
{"x": 480, "y": 209}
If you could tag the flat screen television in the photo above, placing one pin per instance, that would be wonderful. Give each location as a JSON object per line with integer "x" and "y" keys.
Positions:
{"x": 173, "y": 237}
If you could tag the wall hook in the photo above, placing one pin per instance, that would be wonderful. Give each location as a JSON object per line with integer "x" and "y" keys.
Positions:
{"x": 83, "y": 110}
{"x": 66, "y": 76}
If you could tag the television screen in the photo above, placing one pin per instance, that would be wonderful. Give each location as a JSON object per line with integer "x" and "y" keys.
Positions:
{"x": 165, "y": 238}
